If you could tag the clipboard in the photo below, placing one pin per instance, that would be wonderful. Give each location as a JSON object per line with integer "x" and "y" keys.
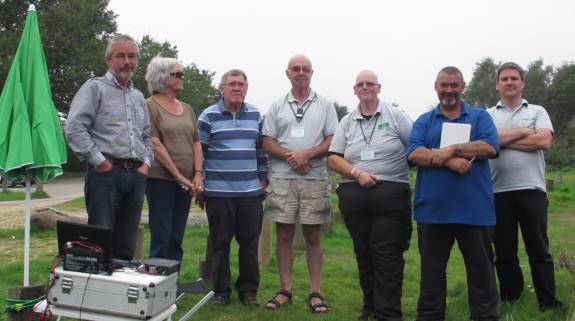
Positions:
{"x": 454, "y": 133}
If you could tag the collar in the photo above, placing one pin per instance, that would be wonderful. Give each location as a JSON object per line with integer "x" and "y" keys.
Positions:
{"x": 464, "y": 110}
{"x": 312, "y": 97}
{"x": 500, "y": 104}
{"x": 223, "y": 109}
{"x": 109, "y": 76}
{"x": 357, "y": 112}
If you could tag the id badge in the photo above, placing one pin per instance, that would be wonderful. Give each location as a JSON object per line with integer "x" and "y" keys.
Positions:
{"x": 367, "y": 154}
{"x": 297, "y": 132}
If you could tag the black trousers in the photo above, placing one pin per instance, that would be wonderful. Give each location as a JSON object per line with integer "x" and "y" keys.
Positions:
{"x": 435, "y": 242}
{"x": 242, "y": 218}
{"x": 379, "y": 221}
{"x": 527, "y": 209}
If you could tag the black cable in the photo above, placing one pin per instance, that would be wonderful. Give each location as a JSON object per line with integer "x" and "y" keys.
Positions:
{"x": 84, "y": 295}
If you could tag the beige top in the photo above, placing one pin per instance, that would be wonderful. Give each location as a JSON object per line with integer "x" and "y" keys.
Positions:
{"x": 177, "y": 133}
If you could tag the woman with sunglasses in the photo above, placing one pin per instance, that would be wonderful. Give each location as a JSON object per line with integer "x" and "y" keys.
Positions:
{"x": 368, "y": 150}
{"x": 176, "y": 171}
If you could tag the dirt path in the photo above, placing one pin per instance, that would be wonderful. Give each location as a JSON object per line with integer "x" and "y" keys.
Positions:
{"x": 62, "y": 190}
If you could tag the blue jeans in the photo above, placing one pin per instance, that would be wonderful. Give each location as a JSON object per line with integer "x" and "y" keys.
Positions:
{"x": 114, "y": 199}
{"x": 169, "y": 206}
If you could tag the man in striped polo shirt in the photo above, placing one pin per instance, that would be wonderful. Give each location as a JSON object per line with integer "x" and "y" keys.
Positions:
{"x": 235, "y": 169}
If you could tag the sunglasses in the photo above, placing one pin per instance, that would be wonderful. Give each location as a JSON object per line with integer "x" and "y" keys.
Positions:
{"x": 179, "y": 75}
{"x": 367, "y": 84}
{"x": 304, "y": 69}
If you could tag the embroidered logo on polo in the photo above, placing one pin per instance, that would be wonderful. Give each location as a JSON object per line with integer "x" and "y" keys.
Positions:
{"x": 384, "y": 125}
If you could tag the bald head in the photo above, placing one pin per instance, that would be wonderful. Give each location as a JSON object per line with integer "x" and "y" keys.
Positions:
{"x": 366, "y": 75}
{"x": 298, "y": 59}
{"x": 299, "y": 72}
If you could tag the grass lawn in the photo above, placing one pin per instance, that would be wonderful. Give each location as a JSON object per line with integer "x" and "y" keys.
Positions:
{"x": 340, "y": 283}
{"x": 20, "y": 196}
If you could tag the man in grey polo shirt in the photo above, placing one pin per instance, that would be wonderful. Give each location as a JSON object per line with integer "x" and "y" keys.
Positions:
{"x": 108, "y": 126}
{"x": 518, "y": 176}
{"x": 297, "y": 133}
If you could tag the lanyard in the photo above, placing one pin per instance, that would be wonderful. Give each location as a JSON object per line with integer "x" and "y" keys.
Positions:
{"x": 302, "y": 110}
{"x": 372, "y": 130}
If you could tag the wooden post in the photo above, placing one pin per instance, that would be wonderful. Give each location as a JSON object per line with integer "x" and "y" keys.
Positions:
{"x": 139, "y": 252}
{"x": 4, "y": 185}
{"x": 298, "y": 239}
{"x": 265, "y": 250}
{"x": 550, "y": 185}
{"x": 39, "y": 187}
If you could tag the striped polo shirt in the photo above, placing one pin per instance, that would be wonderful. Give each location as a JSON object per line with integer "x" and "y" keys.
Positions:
{"x": 234, "y": 161}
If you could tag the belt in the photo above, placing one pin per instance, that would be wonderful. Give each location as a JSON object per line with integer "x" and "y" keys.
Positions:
{"x": 125, "y": 162}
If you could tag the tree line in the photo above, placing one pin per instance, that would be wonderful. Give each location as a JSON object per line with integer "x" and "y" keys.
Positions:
{"x": 548, "y": 86}
{"x": 75, "y": 34}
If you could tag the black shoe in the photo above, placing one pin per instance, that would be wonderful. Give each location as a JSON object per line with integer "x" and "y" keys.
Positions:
{"x": 365, "y": 315}
{"x": 249, "y": 299}
{"x": 557, "y": 305}
{"x": 221, "y": 299}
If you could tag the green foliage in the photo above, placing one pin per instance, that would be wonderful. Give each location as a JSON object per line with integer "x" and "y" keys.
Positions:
{"x": 561, "y": 97}
{"x": 20, "y": 196}
{"x": 74, "y": 37}
{"x": 341, "y": 111}
{"x": 481, "y": 90}
{"x": 537, "y": 79}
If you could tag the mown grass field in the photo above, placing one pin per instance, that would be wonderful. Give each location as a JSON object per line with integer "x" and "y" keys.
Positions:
{"x": 339, "y": 279}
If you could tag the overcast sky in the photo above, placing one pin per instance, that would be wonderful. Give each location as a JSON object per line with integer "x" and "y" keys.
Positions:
{"x": 404, "y": 42}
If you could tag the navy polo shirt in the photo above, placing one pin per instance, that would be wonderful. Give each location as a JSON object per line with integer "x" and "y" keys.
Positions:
{"x": 443, "y": 196}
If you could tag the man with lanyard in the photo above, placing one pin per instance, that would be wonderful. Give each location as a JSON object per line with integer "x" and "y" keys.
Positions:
{"x": 108, "y": 126}
{"x": 518, "y": 176}
{"x": 297, "y": 133}
{"x": 454, "y": 199}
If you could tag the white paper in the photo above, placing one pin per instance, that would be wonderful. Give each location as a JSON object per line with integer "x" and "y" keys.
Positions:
{"x": 454, "y": 133}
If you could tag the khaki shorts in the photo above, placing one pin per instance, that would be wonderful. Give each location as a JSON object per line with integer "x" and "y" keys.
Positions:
{"x": 306, "y": 200}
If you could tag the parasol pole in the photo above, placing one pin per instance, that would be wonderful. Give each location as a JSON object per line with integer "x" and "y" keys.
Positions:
{"x": 27, "y": 206}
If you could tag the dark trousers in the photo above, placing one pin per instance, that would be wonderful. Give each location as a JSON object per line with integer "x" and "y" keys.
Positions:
{"x": 242, "y": 218}
{"x": 169, "y": 206}
{"x": 527, "y": 209}
{"x": 435, "y": 242}
{"x": 114, "y": 199}
{"x": 379, "y": 221}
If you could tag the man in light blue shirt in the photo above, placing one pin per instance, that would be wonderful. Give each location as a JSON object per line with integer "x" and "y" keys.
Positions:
{"x": 108, "y": 126}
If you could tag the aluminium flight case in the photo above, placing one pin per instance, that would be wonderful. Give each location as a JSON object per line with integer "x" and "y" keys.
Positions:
{"x": 127, "y": 292}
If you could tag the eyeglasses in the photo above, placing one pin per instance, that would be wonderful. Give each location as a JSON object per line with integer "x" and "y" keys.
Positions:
{"x": 367, "y": 84}
{"x": 178, "y": 74}
{"x": 233, "y": 84}
{"x": 298, "y": 69}
{"x": 123, "y": 56}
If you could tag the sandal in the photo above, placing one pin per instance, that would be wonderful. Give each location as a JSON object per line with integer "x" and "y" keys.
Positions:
{"x": 315, "y": 307}
{"x": 277, "y": 304}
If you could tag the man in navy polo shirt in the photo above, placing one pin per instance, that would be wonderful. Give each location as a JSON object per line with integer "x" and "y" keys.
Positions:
{"x": 454, "y": 199}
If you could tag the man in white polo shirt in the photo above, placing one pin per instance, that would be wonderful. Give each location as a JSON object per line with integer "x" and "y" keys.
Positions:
{"x": 297, "y": 133}
{"x": 518, "y": 176}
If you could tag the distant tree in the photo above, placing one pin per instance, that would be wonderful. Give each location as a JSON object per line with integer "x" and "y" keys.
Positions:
{"x": 74, "y": 35}
{"x": 537, "y": 79}
{"x": 150, "y": 48}
{"x": 481, "y": 90}
{"x": 560, "y": 97}
{"x": 198, "y": 89}
{"x": 341, "y": 111}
